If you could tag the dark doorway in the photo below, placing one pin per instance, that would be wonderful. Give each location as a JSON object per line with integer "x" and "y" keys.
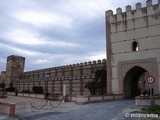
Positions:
{"x": 131, "y": 81}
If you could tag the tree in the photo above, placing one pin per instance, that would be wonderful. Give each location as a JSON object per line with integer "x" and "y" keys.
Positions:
{"x": 2, "y": 86}
{"x": 100, "y": 78}
{"x": 92, "y": 86}
{"x": 98, "y": 83}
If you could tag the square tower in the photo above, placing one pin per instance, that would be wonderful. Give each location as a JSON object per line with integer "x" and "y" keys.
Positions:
{"x": 14, "y": 69}
{"x": 133, "y": 49}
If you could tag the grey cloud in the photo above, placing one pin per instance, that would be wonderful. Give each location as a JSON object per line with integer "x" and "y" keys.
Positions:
{"x": 86, "y": 32}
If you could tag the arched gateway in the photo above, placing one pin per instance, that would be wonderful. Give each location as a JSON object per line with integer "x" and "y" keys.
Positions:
{"x": 133, "y": 49}
{"x": 134, "y": 82}
{"x": 132, "y": 75}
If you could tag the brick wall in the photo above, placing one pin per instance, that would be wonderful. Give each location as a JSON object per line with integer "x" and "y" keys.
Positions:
{"x": 52, "y": 79}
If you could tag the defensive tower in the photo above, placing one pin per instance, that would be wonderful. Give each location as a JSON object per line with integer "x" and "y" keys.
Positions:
{"x": 14, "y": 69}
{"x": 133, "y": 48}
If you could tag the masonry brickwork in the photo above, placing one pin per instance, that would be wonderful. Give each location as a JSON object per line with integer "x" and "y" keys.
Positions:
{"x": 52, "y": 79}
{"x": 14, "y": 69}
{"x": 133, "y": 43}
{"x": 133, "y": 54}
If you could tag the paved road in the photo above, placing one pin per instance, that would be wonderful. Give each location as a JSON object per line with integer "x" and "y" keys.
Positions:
{"x": 112, "y": 110}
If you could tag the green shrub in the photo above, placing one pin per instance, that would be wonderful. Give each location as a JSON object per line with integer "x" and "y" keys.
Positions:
{"x": 152, "y": 110}
{"x": 37, "y": 89}
{"x": 99, "y": 84}
{"x": 10, "y": 89}
{"x": 2, "y": 86}
{"x": 26, "y": 91}
{"x": 100, "y": 78}
{"x": 92, "y": 86}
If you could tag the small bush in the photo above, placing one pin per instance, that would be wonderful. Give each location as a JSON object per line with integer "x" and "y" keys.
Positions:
{"x": 152, "y": 110}
{"x": 2, "y": 85}
{"x": 10, "y": 89}
{"x": 26, "y": 91}
{"x": 37, "y": 89}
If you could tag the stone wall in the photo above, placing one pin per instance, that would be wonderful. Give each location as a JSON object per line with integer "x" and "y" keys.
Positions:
{"x": 2, "y": 76}
{"x": 142, "y": 26}
{"x": 14, "y": 69}
{"x": 52, "y": 79}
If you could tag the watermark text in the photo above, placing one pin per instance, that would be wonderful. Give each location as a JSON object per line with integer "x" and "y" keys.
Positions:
{"x": 141, "y": 115}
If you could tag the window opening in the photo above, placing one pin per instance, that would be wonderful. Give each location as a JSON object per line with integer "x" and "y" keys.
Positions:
{"x": 135, "y": 46}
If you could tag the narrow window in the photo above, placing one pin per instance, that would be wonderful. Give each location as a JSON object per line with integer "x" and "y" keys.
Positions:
{"x": 135, "y": 46}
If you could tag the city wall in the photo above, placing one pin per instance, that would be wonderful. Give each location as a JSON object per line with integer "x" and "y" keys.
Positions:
{"x": 52, "y": 79}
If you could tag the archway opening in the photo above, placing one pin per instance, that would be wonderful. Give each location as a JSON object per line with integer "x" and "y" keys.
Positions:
{"x": 134, "y": 81}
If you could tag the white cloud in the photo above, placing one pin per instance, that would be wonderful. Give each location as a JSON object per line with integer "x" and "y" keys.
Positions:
{"x": 85, "y": 9}
{"x": 41, "y": 61}
{"x": 98, "y": 55}
{"x": 89, "y": 9}
{"x": 2, "y": 60}
{"x": 26, "y": 37}
{"x": 22, "y": 36}
{"x": 48, "y": 32}
{"x": 61, "y": 44}
{"x": 43, "y": 18}
{"x": 25, "y": 52}
{"x": 19, "y": 51}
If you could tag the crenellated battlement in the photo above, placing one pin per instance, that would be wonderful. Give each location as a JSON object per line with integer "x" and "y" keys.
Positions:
{"x": 72, "y": 65}
{"x": 51, "y": 79}
{"x": 14, "y": 57}
{"x": 132, "y": 38}
{"x": 130, "y": 14}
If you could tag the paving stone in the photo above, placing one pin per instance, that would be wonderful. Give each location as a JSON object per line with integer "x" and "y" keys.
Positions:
{"x": 110, "y": 110}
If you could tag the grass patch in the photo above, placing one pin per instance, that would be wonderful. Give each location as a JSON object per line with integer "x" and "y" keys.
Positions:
{"x": 152, "y": 110}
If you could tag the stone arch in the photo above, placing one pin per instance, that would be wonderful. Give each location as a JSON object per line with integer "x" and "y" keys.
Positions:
{"x": 133, "y": 80}
{"x": 149, "y": 65}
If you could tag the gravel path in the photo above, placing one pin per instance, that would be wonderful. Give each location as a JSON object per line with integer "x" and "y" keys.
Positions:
{"x": 112, "y": 110}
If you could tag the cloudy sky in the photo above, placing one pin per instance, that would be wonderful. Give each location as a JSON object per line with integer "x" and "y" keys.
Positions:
{"x": 49, "y": 33}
